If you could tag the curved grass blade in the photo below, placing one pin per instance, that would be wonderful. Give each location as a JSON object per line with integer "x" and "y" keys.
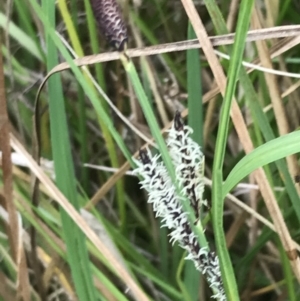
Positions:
{"x": 269, "y": 152}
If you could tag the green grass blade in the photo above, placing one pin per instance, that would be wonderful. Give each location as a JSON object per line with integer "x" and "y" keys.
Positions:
{"x": 21, "y": 37}
{"x": 261, "y": 120}
{"x": 256, "y": 111}
{"x": 288, "y": 273}
{"x": 269, "y": 152}
{"x": 163, "y": 150}
{"x": 217, "y": 196}
{"x": 252, "y": 100}
{"x": 81, "y": 79}
{"x": 65, "y": 177}
{"x": 106, "y": 134}
{"x": 149, "y": 115}
{"x": 195, "y": 117}
{"x": 71, "y": 22}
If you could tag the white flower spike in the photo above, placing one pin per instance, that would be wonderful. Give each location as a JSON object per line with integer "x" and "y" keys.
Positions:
{"x": 188, "y": 161}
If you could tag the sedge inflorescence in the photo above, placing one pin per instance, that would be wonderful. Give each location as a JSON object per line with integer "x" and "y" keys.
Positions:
{"x": 188, "y": 161}
{"x": 109, "y": 19}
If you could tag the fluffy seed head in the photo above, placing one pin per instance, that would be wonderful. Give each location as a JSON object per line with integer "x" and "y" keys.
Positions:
{"x": 166, "y": 204}
{"x": 188, "y": 161}
{"x": 108, "y": 16}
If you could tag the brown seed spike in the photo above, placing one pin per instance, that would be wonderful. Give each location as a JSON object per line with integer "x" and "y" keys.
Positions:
{"x": 108, "y": 16}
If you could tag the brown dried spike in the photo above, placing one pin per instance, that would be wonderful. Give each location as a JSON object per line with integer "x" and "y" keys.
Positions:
{"x": 108, "y": 16}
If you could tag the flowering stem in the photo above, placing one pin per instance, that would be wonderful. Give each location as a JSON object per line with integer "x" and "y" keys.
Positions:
{"x": 155, "y": 130}
{"x": 176, "y": 193}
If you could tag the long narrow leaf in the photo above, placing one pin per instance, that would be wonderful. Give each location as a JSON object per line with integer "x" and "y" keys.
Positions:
{"x": 65, "y": 176}
{"x": 269, "y": 152}
{"x": 217, "y": 195}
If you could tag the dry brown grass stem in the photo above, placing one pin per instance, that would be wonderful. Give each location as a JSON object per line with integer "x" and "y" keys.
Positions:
{"x": 241, "y": 128}
{"x": 7, "y": 167}
{"x": 279, "y": 48}
{"x": 254, "y": 35}
{"x": 13, "y": 226}
{"x": 152, "y": 82}
{"x": 76, "y": 217}
{"x": 233, "y": 10}
{"x": 275, "y": 95}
